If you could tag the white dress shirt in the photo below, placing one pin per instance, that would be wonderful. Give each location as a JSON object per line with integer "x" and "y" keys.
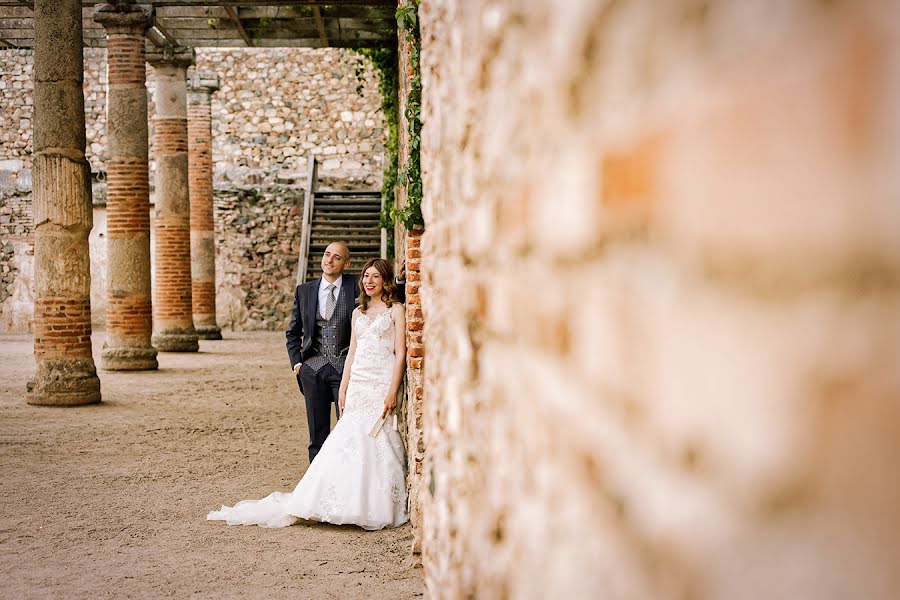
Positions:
{"x": 323, "y": 293}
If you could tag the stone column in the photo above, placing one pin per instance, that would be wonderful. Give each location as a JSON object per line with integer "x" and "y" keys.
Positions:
{"x": 200, "y": 173}
{"x": 129, "y": 309}
{"x": 172, "y": 312}
{"x": 62, "y": 213}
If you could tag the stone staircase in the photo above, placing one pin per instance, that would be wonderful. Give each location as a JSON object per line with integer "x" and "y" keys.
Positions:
{"x": 348, "y": 216}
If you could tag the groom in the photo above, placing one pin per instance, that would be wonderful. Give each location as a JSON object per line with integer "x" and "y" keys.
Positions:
{"x": 318, "y": 339}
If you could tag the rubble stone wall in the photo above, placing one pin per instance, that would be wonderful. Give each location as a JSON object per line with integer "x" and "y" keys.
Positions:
{"x": 274, "y": 108}
{"x": 661, "y": 279}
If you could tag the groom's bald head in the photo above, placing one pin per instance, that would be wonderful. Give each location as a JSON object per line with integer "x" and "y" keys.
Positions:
{"x": 335, "y": 259}
{"x": 341, "y": 247}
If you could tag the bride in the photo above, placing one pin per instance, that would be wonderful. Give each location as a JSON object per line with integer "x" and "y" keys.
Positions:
{"x": 356, "y": 478}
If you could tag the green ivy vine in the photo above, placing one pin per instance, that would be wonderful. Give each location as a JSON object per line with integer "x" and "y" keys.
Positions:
{"x": 411, "y": 176}
{"x": 385, "y": 61}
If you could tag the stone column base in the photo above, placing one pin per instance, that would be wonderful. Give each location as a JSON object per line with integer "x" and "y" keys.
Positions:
{"x": 125, "y": 358}
{"x": 208, "y": 332}
{"x": 175, "y": 341}
{"x": 64, "y": 383}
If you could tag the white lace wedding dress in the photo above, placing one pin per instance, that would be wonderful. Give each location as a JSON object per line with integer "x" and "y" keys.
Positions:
{"x": 354, "y": 479}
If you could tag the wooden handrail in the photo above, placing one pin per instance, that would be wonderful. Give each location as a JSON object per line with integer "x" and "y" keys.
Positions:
{"x": 308, "y": 200}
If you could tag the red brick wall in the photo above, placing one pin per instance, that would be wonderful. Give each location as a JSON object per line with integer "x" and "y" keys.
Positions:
{"x": 125, "y": 57}
{"x": 62, "y": 328}
{"x": 129, "y": 315}
{"x": 172, "y": 287}
{"x": 128, "y": 209}
{"x": 169, "y": 135}
{"x": 200, "y": 161}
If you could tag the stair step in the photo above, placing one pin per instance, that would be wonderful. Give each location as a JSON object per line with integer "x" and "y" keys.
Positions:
{"x": 340, "y": 193}
{"x": 340, "y": 208}
{"x": 317, "y": 250}
{"x": 345, "y": 215}
{"x": 339, "y": 226}
{"x": 348, "y": 200}
{"x": 356, "y": 234}
{"x": 338, "y": 223}
{"x": 321, "y": 240}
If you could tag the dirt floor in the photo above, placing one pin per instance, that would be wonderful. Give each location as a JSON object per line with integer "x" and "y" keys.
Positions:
{"x": 110, "y": 500}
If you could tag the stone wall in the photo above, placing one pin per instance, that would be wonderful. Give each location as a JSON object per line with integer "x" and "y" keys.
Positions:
{"x": 258, "y": 245}
{"x": 661, "y": 272}
{"x": 273, "y": 109}
{"x": 16, "y": 108}
{"x": 277, "y": 106}
{"x": 16, "y": 261}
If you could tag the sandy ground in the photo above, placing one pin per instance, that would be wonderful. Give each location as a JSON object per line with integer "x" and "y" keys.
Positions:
{"x": 111, "y": 500}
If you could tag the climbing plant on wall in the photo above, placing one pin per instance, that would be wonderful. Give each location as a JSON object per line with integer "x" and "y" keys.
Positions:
{"x": 385, "y": 62}
{"x": 411, "y": 175}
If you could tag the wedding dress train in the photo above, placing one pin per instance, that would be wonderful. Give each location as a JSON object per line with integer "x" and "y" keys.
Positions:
{"x": 354, "y": 479}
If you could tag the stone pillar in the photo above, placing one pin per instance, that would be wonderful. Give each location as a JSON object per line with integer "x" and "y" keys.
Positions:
{"x": 172, "y": 312}
{"x": 62, "y": 213}
{"x": 200, "y": 173}
{"x": 129, "y": 309}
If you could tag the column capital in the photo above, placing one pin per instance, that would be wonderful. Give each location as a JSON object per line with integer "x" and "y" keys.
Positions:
{"x": 172, "y": 57}
{"x": 125, "y": 17}
{"x": 203, "y": 82}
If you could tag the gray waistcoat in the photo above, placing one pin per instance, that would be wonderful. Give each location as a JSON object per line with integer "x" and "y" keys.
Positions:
{"x": 327, "y": 341}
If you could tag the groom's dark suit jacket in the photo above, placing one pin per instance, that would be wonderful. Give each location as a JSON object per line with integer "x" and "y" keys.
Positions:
{"x": 302, "y": 329}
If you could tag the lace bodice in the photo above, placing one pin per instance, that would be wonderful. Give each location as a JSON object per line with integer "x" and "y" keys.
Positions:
{"x": 374, "y": 343}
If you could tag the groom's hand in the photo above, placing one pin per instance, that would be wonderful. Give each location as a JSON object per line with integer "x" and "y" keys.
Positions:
{"x": 297, "y": 368}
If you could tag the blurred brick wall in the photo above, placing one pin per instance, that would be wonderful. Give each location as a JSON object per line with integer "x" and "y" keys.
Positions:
{"x": 661, "y": 286}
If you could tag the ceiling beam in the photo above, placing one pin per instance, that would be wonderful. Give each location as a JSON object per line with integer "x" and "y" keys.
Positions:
{"x": 232, "y": 14}
{"x": 320, "y": 25}
{"x": 158, "y": 26}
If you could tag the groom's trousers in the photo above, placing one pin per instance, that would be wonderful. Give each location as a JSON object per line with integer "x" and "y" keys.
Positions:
{"x": 320, "y": 389}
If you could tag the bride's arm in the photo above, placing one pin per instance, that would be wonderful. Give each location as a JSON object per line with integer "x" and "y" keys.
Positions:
{"x": 348, "y": 364}
{"x": 398, "y": 315}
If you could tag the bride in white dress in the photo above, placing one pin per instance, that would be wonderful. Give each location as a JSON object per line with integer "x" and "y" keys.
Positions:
{"x": 355, "y": 478}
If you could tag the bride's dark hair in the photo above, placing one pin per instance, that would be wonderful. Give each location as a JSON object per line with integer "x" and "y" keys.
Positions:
{"x": 389, "y": 294}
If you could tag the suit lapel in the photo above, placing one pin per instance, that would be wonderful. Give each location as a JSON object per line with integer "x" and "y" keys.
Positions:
{"x": 348, "y": 287}
{"x": 312, "y": 301}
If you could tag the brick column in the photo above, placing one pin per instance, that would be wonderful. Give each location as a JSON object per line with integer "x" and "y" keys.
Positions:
{"x": 200, "y": 173}
{"x": 415, "y": 352}
{"x": 129, "y": 312}
{"x": 62, "y": 213}
{"x": 172, "y": 321}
